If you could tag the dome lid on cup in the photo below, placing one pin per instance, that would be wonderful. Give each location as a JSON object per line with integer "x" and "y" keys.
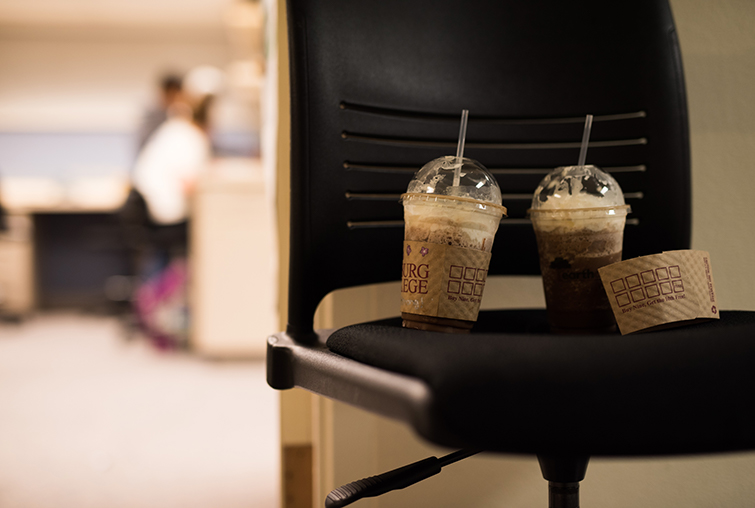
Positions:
{"x": 474, "y": 180}
{"x": 572, "y": 187}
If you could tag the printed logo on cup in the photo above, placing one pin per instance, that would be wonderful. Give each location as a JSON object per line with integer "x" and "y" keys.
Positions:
{"x": 443, "y": 280}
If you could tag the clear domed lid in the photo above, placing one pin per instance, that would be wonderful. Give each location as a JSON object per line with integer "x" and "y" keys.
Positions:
{"x": 577, "y": 187}
{"x": 474, "y": 180}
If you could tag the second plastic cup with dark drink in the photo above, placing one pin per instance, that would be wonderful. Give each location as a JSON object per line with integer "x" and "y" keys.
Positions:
{"x": 578, "y": 214}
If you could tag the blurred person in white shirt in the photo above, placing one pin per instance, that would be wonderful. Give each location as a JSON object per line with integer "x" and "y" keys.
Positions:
{"x": 179, "y": 150}
{"x": 167, "y": 168}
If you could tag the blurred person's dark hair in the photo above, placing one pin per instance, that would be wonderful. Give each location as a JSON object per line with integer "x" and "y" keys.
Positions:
{"x": 171, "y": 83}
{"x": 201, "y": 112}
{"x": 202, "y": 85}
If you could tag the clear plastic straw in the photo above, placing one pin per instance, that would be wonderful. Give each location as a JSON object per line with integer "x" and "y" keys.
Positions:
{"x": 585, "y": 140}
{"x": 460, "y": 146}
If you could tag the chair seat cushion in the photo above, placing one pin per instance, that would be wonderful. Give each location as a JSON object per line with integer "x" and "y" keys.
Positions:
{"x": 511, "y": 386}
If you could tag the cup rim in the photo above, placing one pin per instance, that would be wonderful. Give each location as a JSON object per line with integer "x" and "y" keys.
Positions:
{"x": 429, "y": 197}
{"x": 597, "y": 212}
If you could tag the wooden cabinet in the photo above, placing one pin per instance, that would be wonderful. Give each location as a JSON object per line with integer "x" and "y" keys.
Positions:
{"x": 233, "y": 257}
{"x": 17, "y": 267}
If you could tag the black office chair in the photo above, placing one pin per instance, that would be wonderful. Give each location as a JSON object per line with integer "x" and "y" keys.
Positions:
{"x": 142, "y": 237}
{"x": 376, "y": 91}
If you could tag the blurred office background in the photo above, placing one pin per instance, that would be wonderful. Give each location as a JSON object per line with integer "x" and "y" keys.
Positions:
{"x": 92, "y": 413}
{"x": 96, "y": 412}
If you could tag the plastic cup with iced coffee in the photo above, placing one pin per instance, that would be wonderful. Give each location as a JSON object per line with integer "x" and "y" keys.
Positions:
{"x": 452, "y": 209}
{"x": 578, "y": 214}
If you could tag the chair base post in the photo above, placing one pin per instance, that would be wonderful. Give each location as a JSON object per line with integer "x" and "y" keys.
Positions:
{"x": 563, "y": 495}
{"x": 563, "y": 474}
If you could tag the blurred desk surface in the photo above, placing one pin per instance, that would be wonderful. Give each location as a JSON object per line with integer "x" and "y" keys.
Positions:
{"x": 60, "y": 246}
{"x": 31, "y": 195}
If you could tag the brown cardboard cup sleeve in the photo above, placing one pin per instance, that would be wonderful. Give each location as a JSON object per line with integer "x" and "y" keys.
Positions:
{"x": 443, "y": 280}
{"x": 662, "y": 290}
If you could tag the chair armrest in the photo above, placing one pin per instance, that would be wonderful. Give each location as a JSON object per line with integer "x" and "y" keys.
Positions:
{"x": 319, "y": 370}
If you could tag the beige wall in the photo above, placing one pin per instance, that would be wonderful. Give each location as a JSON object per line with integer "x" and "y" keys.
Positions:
{"x": 93, "y": 78}
{"x": 718, "y": 48}
{"x": 89, "y": 65}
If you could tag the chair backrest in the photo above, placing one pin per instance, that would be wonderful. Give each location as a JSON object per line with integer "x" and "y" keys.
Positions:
{"x": 377, "y": 89}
